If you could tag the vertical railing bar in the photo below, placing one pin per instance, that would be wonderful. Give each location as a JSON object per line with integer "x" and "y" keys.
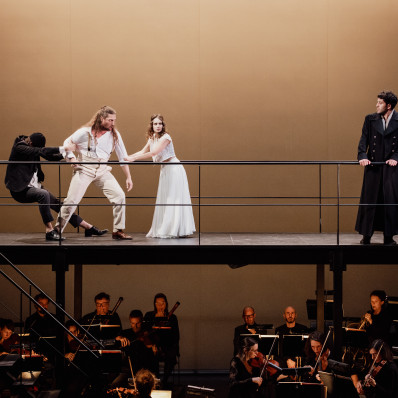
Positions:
{"x": 199, "y": 202}
{"x": 320, "y": 198}
{"x": 60, "y": 205}
{"x": 338, "y": 204}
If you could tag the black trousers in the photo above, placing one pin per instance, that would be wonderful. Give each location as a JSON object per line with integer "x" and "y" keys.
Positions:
{"x": 46, "y": 200}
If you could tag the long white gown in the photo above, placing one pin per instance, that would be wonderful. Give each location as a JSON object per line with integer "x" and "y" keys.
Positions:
{"x": 173, "y": 215}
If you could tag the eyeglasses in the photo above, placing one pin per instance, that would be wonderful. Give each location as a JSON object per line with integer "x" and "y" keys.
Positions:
{"x": 102, "y": 304}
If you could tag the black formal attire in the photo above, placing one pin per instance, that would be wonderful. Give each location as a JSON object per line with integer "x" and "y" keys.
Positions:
{"x": 286, "y": 351}
{"x": 380, "y": 183}
{"x": 386, "y": 383}
{"x": 243, "y": 329}
{"x": 142, "y": 357}
{"x": 169, "y": 339}
{"x": 242, "y": 386}
{"x": 42, "y": 326}
{"x": 297, "y": 329}
{"x": 381, "y": 328}
{"x": 19, "y": 176}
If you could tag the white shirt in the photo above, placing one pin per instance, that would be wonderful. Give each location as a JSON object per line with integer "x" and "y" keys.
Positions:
{"x": 386, "y": 122}
{"x": 100, "y": 148}
{"x": 167, "y": 152}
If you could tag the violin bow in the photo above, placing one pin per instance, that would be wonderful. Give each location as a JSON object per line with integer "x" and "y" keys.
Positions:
{"x": 132, "y": 373}
{"x": 267, "y": 358}
{"x": 320, "y": 354}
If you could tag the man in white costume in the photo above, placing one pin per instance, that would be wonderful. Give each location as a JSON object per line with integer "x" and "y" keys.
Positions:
{"x": 94, "y": 142}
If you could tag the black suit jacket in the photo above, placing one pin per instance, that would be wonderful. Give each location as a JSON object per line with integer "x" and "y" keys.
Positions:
{"x": 18, "y": 176}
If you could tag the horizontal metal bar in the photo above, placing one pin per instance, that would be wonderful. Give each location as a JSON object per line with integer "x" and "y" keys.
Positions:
{"x": 202, "y": 162}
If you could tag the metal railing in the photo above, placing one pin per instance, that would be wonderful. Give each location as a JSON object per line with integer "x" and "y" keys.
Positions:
{"x": 201, "y": 198}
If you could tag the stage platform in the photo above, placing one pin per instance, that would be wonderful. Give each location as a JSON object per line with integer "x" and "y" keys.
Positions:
{"x": 213, "y": 248}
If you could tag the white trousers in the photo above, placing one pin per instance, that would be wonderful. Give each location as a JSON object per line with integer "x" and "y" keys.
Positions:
{"x": 101, "y": 176}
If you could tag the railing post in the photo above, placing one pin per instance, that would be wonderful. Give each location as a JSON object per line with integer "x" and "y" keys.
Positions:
{"x": 199, "y": 205}
{"x": 320, "y": 197}
{"x": 60, "y": 204}
{"x": 338, "y": 204}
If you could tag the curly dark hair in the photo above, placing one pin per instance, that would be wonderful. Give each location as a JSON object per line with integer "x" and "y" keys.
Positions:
{"x": 389, "y": 98}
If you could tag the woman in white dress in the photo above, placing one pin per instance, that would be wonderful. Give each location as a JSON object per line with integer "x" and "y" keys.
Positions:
{"x": 173, "y": 216}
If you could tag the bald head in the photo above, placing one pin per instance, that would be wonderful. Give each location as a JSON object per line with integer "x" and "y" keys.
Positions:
{"x": 248, "y": 315}
{"x": 290, "y": 316}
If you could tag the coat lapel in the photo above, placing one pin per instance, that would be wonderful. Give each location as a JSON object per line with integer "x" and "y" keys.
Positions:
{"x": 393, "y": 125}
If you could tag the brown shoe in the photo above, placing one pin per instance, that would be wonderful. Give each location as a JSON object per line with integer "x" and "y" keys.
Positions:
{"x": 121, "y": 235}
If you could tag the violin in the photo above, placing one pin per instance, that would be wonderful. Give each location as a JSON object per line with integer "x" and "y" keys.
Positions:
{"x": 123, "y": 392}
{"x": 270, "y": 366}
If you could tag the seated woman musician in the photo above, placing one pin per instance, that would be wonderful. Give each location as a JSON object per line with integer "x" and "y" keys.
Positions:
{"x": 165, "y": 324}
{"x": 244, "y": 376}
{"x": 317, "y": 353}
{"x": 381, "y": 381}
{"x": 7, "y": 336}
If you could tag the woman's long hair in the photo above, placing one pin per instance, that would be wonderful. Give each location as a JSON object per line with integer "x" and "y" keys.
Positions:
{"x": 385, "y": 352}
{"x": 150, "y": 132}
{"x": 246, "y": 344}
{"x": 96, "y": 121}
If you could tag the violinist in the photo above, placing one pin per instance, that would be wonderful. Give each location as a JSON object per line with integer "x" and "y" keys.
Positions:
{"x": 142, "y": 349}
{"x": 145, "y": 382}
{"x": 244, "y": 377}
{"x": 71, "y": 345}
{"x": 378, "y": 322}
{"x": 168, "y": 335}
{"x": 7, "y": 336}
{"x": 317, "y": 353}
{"x": 249, "y": 326}
{"x": 382, "y": 379}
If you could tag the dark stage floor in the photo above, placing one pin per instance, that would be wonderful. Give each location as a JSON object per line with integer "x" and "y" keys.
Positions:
{"x": 212, "y": 239}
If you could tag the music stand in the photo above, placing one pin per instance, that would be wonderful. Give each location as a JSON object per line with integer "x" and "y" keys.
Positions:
{"x": 200, "y": 392}
{"x": 292, "y": 345}
{"x": 355, "y": 338}
{"x": 265, "y": 344}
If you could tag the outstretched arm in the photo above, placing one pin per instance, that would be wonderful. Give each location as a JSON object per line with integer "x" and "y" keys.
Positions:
{"x": 147, "y": 153}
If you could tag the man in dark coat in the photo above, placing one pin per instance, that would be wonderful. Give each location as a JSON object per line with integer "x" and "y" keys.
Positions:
{"x": 379, "y": 143}
{"x": 24, "y": 181}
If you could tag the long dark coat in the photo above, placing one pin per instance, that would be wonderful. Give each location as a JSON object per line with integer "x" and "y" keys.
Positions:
{"x": 18, "y": 176}
{"x": 380, "y": 183}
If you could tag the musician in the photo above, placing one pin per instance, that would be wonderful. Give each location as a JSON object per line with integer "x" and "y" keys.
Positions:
{"x": 39, "y": 325}
{"x": 71, "y": 345}
{"x": 168, "y": 336}
{"x": 249, "y": 326}
{"x": 245, "y": 380}
{"x": 145, "y": 382}
{"x": 142, "y": 349}
{"x": 315, "y": 356}
{"x": 102, "y": 315}
{"x": 378, "y": 321}
{"x": 382, "y": 380}
{"x": 7, "y": 336}
{"x": 290, "y": 326}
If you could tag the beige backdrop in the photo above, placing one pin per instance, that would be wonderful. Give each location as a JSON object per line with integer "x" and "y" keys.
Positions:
{"x": 236, "y": 80}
